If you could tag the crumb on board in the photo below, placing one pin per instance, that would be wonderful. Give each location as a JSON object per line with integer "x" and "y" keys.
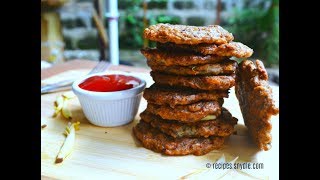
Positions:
{"x": 43, "y": 126}
{"x": 59, "y": 160}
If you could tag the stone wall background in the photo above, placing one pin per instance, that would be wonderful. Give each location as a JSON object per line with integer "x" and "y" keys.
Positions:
{"x": 80, "y": 34}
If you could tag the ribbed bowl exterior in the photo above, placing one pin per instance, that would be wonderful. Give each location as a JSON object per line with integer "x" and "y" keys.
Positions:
{"x": 109, "y": 109}
{"x": 110, "y": 113}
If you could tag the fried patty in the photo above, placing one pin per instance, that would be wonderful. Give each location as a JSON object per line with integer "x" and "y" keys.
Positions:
{"x": 163, "y": 95}
{"x": 196, "y": 82}
{"x": 186, "y": 113}
{"x": 183, "y": 34}
{"x": 255, "y": 99}
{"x": 225, "y": 67}
{"x": 158, "y": 57}
{"x": 235, "y": 49}
{"x": 221, "y": 126}
{"x": 153, "y": 139}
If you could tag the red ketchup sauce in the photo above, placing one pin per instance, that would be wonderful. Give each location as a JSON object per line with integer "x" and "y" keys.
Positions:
{"x": 109, "y": 83}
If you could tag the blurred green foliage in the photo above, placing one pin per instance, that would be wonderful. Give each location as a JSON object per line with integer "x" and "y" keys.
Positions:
{"x": 196, "y": 21}
{"x": 157, "y": 4}
{"x": 258, "y": 28}
{"x": 168, "y": 19}
{"x": 254, "y": 25}
{"x": 183, "y": 4}
{"x": 131, "y": 37}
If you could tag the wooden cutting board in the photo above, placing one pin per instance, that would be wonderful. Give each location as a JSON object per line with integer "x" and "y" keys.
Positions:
{"x": 101, "y": 153}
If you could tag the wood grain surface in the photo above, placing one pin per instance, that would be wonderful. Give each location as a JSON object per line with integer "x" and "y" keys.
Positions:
{"x": 102, "y": 153}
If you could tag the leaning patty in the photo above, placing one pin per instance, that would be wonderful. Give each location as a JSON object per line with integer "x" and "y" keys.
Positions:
{"x": 195, "y": 82}
{"x": 221, "y": 126}
{"x": 222, "y": 68}
{"x": 186, "y": 113}
{"x": 162, "y": 95}
{"x": 256, "y": 102}
{"x": 153, "y": 139}
{"x": 155, "y": 56}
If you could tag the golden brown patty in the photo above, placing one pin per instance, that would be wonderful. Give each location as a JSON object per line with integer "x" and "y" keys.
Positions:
{"x": 235, "y": 49}
{"x": 225, "y": 67}
{"x": 221, "y": 126}
{"x": 255, "y": 100}
{"x": 162, "y": 95}
{"x": 195, "y": 82}
{"x": 186, "y": 113}
{"x": 183, "y": 34}
{"x": 151, "y": 138}
{"x": 158, "y": 57}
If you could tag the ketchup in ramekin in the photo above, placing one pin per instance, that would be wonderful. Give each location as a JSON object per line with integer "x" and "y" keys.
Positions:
{"x": 109, "y": 83}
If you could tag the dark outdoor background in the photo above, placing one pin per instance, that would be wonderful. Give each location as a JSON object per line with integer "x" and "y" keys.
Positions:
{"x": 252, "y": 22}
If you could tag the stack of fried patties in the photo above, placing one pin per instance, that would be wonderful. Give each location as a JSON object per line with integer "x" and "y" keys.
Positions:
{"x": 192, "y": 73}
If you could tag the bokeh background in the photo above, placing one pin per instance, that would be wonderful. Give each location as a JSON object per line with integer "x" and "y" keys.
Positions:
{"x": 69, "y": 30}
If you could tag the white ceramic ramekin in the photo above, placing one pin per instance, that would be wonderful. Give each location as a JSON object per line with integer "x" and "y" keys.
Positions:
{"x": 109, "y": 109}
